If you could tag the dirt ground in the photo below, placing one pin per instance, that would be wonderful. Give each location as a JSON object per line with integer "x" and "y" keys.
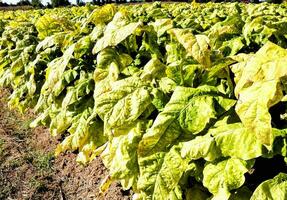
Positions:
{"x": 29, "y": 170}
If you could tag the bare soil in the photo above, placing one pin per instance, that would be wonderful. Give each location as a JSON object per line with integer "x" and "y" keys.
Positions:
{"x": 29, "y": 170}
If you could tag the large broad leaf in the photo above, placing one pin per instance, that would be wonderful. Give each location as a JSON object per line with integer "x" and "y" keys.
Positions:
{"x": 196, "y": 46}
{"x": 55, "y": 70}
{"x": 77, "y": 97}
{"x": 102, "y": 15}
{"x": 222, "y": 31}
{"x": 83, "y": 47}
{"x": 116, "y": 31}
{"x": 110, "y": 63}
{"x": 149, "y": 167}
{"x": 169, "y": 175}
{"x": 254, "y": 111}
{"x": 222, "y": 177}
{"x": 121, "y": 102}
{"x": 153, "y": 69}
{"x": 258, "y": 30}
{"x": 55, "y": 39}
{"x": 231, "y": 47}
{"x": 160, "y": 174}
{"x": 61, "y": 118}
{"x": 50, "y": 24}
{"x": 235, "y": 140}
{"x": 189, "y": 111}
{"x": 59, "y": 74}
{"x": 120, "y": 155}
{"x": 273, "y": 189}
{"x": 259, "y": 88}
{"x": 227, "y": 140}
{"x": 161, "y": 26}
{"x": 86, "y": 134}
{"x": 124, "y": 103}
{"x": 61, "y": 110}
{"x": 200, "y": 147}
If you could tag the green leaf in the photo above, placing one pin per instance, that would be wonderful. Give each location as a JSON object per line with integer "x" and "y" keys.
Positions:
{"x": 232, "y": 47}
{"x": 110, "y": 63}
{"x": 169, "y": 175}
{"x": 184, "y": 74}
{"x": 153, "y": 69}
{"x": 200, "y": 147}
{"x": 256, "y": 30}
{"x": 102, "y": 15}
{"x": 161, "y": 26}
{"x": 273, "y": 189}
{"x": 222, "y": 177}
{"x": 260, "y": 77}
{"x": 124, "y": 103}
{"x": 236, "y": 141}
{"x": 149, "y": 167}
{"x": 86, "y": 134}
{"x": 55, "y": 70}
{"x": 196, "y": 46}
{"x": 116, "y": 31}
{"x": 120, "y": 154}
{"x": 189, "y": 111}
{"x": 160, "y": 174}
{"x": 50, "y": 24}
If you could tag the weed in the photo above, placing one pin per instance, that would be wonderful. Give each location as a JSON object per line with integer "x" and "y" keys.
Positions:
{"x": 22, "y": 130}
{"x": 17, "y": 162}
{"x": 2, "y": 142}
{"x": 36, "y": 184}
{"x": 41, "y": 161}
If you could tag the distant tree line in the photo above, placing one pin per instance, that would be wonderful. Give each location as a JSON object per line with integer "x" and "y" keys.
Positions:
{"x": 60, "y": 3}
{"x": 245, "y": 1}
{"x": 39, "y": 4}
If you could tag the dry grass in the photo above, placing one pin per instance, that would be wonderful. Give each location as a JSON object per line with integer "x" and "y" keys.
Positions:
{"x": 29, "y": 170}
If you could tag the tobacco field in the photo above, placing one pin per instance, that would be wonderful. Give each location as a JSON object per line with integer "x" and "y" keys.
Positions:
{"x": 180, "y": 101}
